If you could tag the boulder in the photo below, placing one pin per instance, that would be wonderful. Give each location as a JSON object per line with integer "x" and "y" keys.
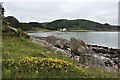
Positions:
{"x": 118, "y": 53}
{"x": 43, "y": 43}
{"x": 51, "y": 39}
{"x": 96, "y": 60}
{"x": 106, "y": 55}
{"x": 89, "y": 45}
{"x": 78, "y": 46}
{"x": 105, "y": 48}
{"x": 94, "y": 45}
{"x": 91, "y": 60}
{"x": 62, "y": 43}
{"x": 115, "y": 60}
{"x": 40, "y": 38}
{"x": 81, "y": 50}
{"x": 100, "y": 50}
{"x": 111, "y": 51}
{"x": 108, "y": 62}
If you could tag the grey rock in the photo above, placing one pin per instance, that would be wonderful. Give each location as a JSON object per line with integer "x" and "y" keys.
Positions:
{"x": 91, "y": 60}
{"x": 78, "y": 46}
{"x": 106, "y": 55}
{"x": 109, "y": 63}
{"x": 62, "y": 43}
{"x": 51, "y": 39}
{"x": 115, "y": 60}
{"x": 100, "y": 50}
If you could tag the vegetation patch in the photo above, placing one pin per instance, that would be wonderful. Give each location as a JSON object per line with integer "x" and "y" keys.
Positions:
{"x": 24, "y": 59}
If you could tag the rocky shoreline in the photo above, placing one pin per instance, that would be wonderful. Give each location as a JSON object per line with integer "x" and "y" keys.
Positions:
{"x": 85, "y": 54}
{"x": 112, "y": 54}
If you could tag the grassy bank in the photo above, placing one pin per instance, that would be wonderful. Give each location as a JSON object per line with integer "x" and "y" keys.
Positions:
{"x": 45, "y": 30}
{"x": 90, "y": 31}
{"x": 81, "y": 30}
{"x": 24, "y": 59}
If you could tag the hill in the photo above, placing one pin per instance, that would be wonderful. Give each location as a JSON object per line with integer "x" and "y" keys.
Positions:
{"x": 78, "y": 24}
{"x": 14, "y": 22}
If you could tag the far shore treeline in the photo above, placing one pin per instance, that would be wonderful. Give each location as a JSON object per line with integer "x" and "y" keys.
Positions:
{"x": 78, "y": 24}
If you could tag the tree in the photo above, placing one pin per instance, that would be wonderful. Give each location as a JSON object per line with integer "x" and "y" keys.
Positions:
{"x": 12, "y": 21}
{"x": 107, "y": 24}
{"x": 2, "y": 9}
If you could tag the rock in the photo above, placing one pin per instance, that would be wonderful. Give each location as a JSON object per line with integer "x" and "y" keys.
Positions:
{"x": 88, "y": 45}
{"x": 108, "y": 62}
{"x": 42, "y": 43}
{"x": 106, "y": 55}
{"x": 91, "y": 60}
{"x": 81, "y": 50}
{"x": 96, "y": 60}
{"x": 115, "y": 60}
{"x": 118, "y": 51}
{"x": 61, "y": 52}
{"x": 68, "y": 49}
{"x": 62, "y": 43}
{"x": 114, "y": 55}
{"x": 105, "y": 48}
{"x": 51, "y": 39}
{"x": 59, "y": 44}
{"x": 100, "y": 50}
{"x": 76, "y": 58}
{"x": 88, "y": 55}
{"x": 111, "y": 51}
{"x": 94, "y": 45}
{"x": 78, "y": 46}
{"x": 58, "y": 50}
{"x": 100, "y": 47}
{"x": 41, "y": 38}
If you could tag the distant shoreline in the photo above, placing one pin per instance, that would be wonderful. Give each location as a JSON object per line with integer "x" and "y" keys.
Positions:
{"x": 68, "y": 31}
{"x": 90, "y": 31}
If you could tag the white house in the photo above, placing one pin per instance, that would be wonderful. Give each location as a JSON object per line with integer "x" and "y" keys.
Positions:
{"x": 64, "y": 29}
{"x": 61, "y": 29}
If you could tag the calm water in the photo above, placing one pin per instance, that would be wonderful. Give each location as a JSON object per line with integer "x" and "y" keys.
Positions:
{"x": 108, "y": 39}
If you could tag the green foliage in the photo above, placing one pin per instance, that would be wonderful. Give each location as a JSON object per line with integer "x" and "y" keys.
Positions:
{"x": 36, "y": 65}
{"x": 80, "y": 24}
{"x": 18, "y": 32}
{"x": 33, "y": 26}
{"x": 12, "y": 21}
{"x": 24, "y": 59}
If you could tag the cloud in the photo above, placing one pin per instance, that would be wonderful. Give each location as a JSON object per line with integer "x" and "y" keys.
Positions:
{"x": 44, "y": 11}
{"x": 59, "y": 0}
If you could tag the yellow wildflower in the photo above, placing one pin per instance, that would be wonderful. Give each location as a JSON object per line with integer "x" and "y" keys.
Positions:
{"x": 36, "y": 72}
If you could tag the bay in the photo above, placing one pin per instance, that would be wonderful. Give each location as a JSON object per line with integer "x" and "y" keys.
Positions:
{"x": 108, "y": 39}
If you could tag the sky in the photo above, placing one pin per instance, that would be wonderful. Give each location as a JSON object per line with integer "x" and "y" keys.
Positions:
{"x": 102, "y": 11}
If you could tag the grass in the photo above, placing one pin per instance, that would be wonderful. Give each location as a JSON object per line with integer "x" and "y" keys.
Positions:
{"x": 43, "y": 30}
{"x": 24, "y": 59}
{"x": 81, "y": 30}
{"x": 18, "y": 47}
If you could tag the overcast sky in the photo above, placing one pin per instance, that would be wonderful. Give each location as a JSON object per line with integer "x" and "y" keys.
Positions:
{"x": 103, "y": 11}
